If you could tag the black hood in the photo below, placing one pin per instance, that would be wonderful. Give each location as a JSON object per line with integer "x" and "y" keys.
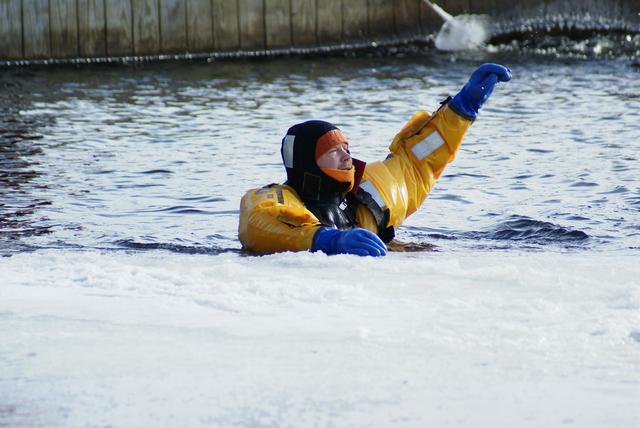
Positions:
{"x": 299, "y": 158}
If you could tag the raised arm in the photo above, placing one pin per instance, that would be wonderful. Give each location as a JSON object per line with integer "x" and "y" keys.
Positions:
{"x": 421, "y": 150}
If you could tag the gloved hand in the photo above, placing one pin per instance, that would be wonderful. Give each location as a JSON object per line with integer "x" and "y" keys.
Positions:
{"x": 468, "y": 101}
{"x": 355, "y": 241}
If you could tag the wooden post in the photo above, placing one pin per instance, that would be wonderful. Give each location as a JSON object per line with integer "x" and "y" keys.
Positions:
{"x": 278, "y": 23}
{"x": 630, "y": 11}
{"x": 407, "y": 17}
{"x": 146, "y": 27}
{"x": 225, "y": 25}
{"x": 251, "y": 24}
{"x": 613, "y": 10}
{"x": 119, "y": 27}
{"x": 10, "y": 29}
{"x": 91, "y": 25}
{"x": 559, "y": 8}
{"x": 429, "y": 20}
{"x": 355, "y": 19}
{"x": 456, "y": 7}
{"x": 35, "y": 21}
{"x": 63, "y": 18}
{"x": 508, "y": 9}
{"x": 173, "y": 26}
{"x": 329, "y": 21}
{"x": 199, "y": 25}
{"x": 381, "y": 18}
{"x": 303, "y": 22}
{"x": 486, "y": 7}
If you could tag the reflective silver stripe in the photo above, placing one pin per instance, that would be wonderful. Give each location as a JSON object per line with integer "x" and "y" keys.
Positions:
{"x": 427, "y": 146}
{"x": 288, "y": 150}
{"x": 368, "y": 187}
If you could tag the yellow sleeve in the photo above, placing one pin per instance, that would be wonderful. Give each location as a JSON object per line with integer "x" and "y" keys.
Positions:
{"x": 419, "y": 154}
{"x": 274, "y": 219}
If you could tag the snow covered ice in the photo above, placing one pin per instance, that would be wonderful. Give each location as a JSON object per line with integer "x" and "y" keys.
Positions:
{"x": 501, "y": 339}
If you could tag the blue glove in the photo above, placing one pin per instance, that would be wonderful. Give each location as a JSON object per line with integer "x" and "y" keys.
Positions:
{"x": 355, "y": 241}
{"x": 478, "y": 89}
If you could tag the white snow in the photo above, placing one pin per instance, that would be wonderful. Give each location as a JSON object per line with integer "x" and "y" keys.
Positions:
{"x": 433, "y": 339}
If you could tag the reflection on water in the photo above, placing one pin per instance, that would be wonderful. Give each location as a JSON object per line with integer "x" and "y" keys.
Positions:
{"x": 157, "y": 156}
{"x": 19, "y": 153}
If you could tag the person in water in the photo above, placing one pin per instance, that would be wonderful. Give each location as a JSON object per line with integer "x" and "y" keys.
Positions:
{"x": 336, "y": 204}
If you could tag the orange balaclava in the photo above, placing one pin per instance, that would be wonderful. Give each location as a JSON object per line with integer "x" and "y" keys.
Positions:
{"x": 325, "y": 143}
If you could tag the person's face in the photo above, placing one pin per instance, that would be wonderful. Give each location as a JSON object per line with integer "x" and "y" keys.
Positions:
{"x": 338, "y": 157}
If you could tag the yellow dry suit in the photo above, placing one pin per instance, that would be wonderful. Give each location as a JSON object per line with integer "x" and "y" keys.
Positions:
{"x": 274, "y": 218}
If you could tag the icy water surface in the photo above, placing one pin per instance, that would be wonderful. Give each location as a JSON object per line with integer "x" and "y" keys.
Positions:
{"x": 158, "y": 156}
{"x": 125, "y": 299}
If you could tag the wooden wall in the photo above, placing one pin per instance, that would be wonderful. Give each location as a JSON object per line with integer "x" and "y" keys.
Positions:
{"x": 42, "y": 29}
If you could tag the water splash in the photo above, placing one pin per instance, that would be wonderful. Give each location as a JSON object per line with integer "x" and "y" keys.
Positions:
{"x": 462, "y": 32}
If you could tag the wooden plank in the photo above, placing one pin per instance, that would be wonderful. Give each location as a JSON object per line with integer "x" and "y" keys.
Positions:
{"x": 329, "y": 21}
{"x": 406, "y": 17}
{"x": 629, "y": 11}
{"x": 10, "y": 29}
{"x": 35, "y": 21}
{"x": 146, "y": 27}
{"x": 277, "y": 21}
{"x": 119, "y": 27}
{"x": 226, "y": 34}
{"x": 429, "y": 20}
{"x": 508, "y": 9}
{"x": 91, "y": 26}
{"x": 564, "y": 9}
{"x": 483, "y": 7}
{"x": 303, "y": 22}
{"x": 553, "y": 9}
{"x": 63, "y": 18}
{"x": 456, "y": 7}
{"x": 251, "y": 24}
{"x": 199, "y": 25}
{"x": 380, "y": 18}
{"x": 530, "y": 8}
{"x": 173, "y": 26}
{"x": 355, "y": 19}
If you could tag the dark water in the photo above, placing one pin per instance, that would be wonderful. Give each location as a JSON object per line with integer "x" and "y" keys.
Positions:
{"x": 157, "y": 156}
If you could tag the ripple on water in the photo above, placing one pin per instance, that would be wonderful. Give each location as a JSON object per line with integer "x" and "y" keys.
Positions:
{"x": 176, "y": 248}
{"x": 576, "y": 218}
{"x": 203, "y": 199}
{"x": 634, "y": 201}
{"x": 186, "y": 209}
{"x": 157, "y": 171}
{"x": 466, "y": 174}
{"x": 451, "y": 197}
{"x": 621, "y": 167}
{"x": 542, "y": 151}
{"x": 138, "y": 186}
{"x": 102, "y": 138}
{"x": 616, "y": 190}
{"x": 584, "y": 184}
{"x": 518, "y": 228}
{"x": 514, "y": 232}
